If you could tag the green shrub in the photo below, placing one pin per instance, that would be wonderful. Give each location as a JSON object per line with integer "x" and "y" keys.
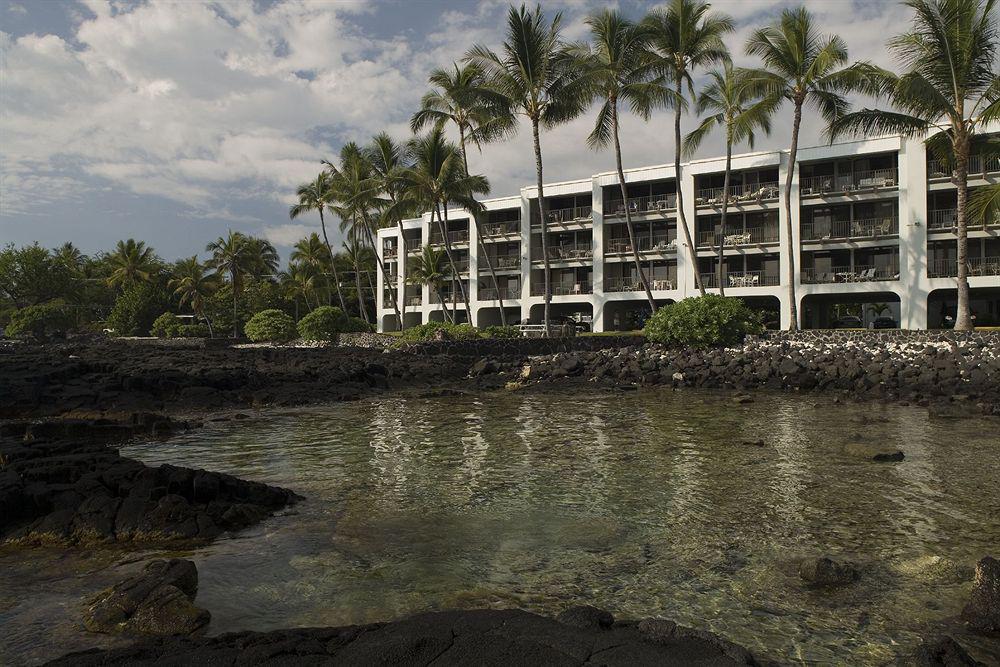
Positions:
{"x": 198, "y": 330}
{"x": 166, "y": 326}
{"x": 43, "y": 320}
{"x": 430, "y": 331}
{"x": 703, "y": 321}
{"x": 358, "y": 325}
{"x": 270, "y": 325}
{"x": 136, "y": 308}
{"x": 500, "y": 332}
{"x": 324, "y": 323}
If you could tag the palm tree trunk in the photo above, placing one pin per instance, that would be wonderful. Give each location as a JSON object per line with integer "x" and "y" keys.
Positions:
{"x": 443, "y": 225}
{"x": 544, "y": 223}
{"x": 963, "y": 315}
{"x": 236, "y": 320}
{"x": 692, "y": 253}
{"x": 444, "y": 305}
{"x": 479, "y": 235}
{"x": 381, "y": 268}
{"x": 725, "y": 207}
{"x": 628, "y": 214}
{"x": 211, "y": 334}
{"x": 793, "y": 323}
{"x": 333, "y": 261}
{"x": 361, "y": 301}
{"x": 401, "y": 259}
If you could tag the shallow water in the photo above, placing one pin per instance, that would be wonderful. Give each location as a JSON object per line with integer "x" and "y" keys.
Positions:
{"x": 644, "y": 503}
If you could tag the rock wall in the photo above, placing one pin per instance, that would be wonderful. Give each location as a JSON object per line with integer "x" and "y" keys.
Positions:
{"x": 881, "y": 336}
{"x": 519, "y": 347}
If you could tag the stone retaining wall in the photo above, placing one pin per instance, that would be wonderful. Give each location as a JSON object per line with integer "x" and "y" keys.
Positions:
{"x": 832, "y": 336}
{"x": 520, "y": 347}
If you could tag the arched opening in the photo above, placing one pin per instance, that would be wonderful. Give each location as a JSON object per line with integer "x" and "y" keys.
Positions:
{"x": 581, "y": 314}
{"x": 390, "y": 323}
{"x": 878, "y": 310}
{"x": 984, "y": 302}
{"x": 630, "y": 315}
{"x": 490, "y": 317}
{"x": 769, "y": 308}
{"x": 412, "y": 319}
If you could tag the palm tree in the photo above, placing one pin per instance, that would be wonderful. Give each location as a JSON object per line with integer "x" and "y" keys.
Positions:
{"x": 533, "y": 76}
{"x": 437, "y": 179}
{"x": 70, "y": 257}
{"x": 262, "y": 258}
{"x": 356, "y": 253}
{"x": 193, "y": 284}
{"x": 315, "y": 196}
{"x": 620, "y": 69}
{"x": 461, "y": 99}
{"x": 950, "y": 87}
{"x": 229, "y": 255}
{"x": 299, "y": 282}
{"x": 734, "y": 103}
{"x": 427, "y": 271}
{"x": 804, "y": 67}
{"x": 686, "y": 36}
{"x": 312, "y": 252}
{"x": 131, "y": 262}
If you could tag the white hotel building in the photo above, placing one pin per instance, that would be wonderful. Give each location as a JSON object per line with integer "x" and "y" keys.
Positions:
{"x": 872, "y": 231}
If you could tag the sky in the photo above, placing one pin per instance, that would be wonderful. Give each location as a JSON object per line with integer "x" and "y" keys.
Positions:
{"x": 173, "y": 122}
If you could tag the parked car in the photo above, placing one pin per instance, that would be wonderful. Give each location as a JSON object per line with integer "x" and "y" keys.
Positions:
{"x": 884, "y": 323}
{"x": 848, "y": 322}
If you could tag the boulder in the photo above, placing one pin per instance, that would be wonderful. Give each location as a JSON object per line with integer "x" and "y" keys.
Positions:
{"x": 873, "y": 452}
{"x": 983, "y": 610}
{"x": 943, "y": 652}
{"x": 157, "y": 601}
{"x": 585, "y": 616}
{"x": 825, "y": 571}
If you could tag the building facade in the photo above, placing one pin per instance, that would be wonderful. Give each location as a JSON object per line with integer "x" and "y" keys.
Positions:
{"x": 872, "y": 237}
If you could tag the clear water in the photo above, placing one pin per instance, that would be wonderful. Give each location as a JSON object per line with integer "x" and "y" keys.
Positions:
{"x": 643, "y": 503}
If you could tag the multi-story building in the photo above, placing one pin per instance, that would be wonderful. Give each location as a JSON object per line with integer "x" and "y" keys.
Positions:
{"x": 872, "y": 235}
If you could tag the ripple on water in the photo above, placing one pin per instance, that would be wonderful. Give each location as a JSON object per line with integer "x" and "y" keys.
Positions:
{"x": 645, "y": 503}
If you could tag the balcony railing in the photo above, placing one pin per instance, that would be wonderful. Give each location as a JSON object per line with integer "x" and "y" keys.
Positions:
{"x": 574, "y": 214}
{"x": 635, "y": 285}
{"x": 939, "y": 169}
{"x": 978, "y": 266}
{"x": 736, "y": 237}
{"x": 739, "y": 194}
{"x": 412, "y": 245}
{"x": 565, "y": 253}
{"x": 457, "y": 237}
{"x": 502, "y": 262}
{"x": 615, "y": 208}
{"x": 867, "y": 228}
{"x": 644, "y": 243}
{"x": 509, "y": 292}
{"x": 561, "y": 288}
{"x": 742, "y": 279}
{"x": 869, "y": 179}
{"x": 494, "y": 229}
{"x": 389, "y": 252}
{"x": 461, "y": 265}
{"x": 846, "y": 274}
{"x": 414, "y": 300}
{"x": 947, "y": 219}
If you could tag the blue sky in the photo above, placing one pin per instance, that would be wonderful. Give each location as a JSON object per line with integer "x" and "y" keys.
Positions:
{"x": 175, "y": 121}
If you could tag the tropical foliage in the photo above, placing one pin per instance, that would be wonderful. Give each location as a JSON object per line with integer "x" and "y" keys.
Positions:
{"x": 703, "y": 321}
{"x": 271, "y": 326}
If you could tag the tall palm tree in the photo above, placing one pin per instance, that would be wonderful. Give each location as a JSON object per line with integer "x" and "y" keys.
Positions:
{"x": 299, "y": 282}
{"x": 949, "y": 87}
{"x": 262, "y": 258}
{"x": 356, "y": 253}
{"x": 734, "y": 104}
{"x": 427, "y": 271}
{"x": 803, "y": 67}
{"x": 461, "y": 99}
{"x": 618, "y": 64}
{"x": 312, "y": 252}
{"x": 193, "y": 284}
{"x": 437, "y": 179}
{"x": 131, "y": 262}
{"x": 686, "y": 35}
{"x": 229, "y": 255}
{"x": 70, "y": 257}
{"x": 533, "y": 76}
{"x": 315, "y": 196}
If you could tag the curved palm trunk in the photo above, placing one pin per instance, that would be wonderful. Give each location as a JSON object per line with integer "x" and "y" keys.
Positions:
{"x": 544, "y": 223}
{"x": 692, "y": 253}
{"x": 479, "y": 236}
{"x": 333, "y": 261}
{"x": 628, "y": 214}
{"x": 211, "y": 333}
{"x": 963, "y": 315}
{"x": 447, "y": 315}
{"x": 236, "y": 319}
{"x": 401, "y": 259}
{"x": 793, "y": 323}
{"x": 361, "y": 300}
{"x": 725, "y": 207}
{"x": 454, "y": 270}
{"x": 381, "y": 268}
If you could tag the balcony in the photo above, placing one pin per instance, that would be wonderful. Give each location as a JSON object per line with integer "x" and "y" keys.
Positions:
{"x": 461, "y": 265}
{"x": 978, "y": 266}
{"x": 495, "y": 229}
{"x": 502, "y": 262}
{"x": 454, "y": 238}
{"x": 562, "y": 289}
{"x": 750, "y": 193}
{"x": 742, "y": 279}
{"x": 749, "y": 236}
{"x": 509, "y": 292}
{"x": 641, "y": 205}
{"x": 578, "y": 252}
{"x": 978, "y": 165}
{"x": 389, "y": 252}
{"x": 635, "y": 285}
{"x": 656, "y": 244}
{"x": 946, "y": 220}
{"x": 412, "y": 246}
{"x": 574, "y": 214}
{"x": 844, "y": 184}
{"x": 843, "y": 230}
{"x": 414, "y": 300}
{"x": 846, "y": 274}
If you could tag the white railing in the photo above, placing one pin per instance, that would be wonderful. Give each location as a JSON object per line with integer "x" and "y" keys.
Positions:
{"x": 562, "y": 289}
{"x": 493, "y": 229}
{"x": 846, "y": 274}
{"x": 739, "y": 194}
{"x": 615, "y": 208}
{"x": 867, "y": 228}
{"x": 739, "y": 237}
{"x": 635, "y": 285}
{"x": 947, "y": 219}
{"x": 573, "y": 214}
{"x": 502, "y": 262}
{"x": 412, "y": 245}
{"x": 457, "y": 237}
{"x": 940, "y": 169}
{"x": 978, "y": 266}
{"x": 490, "y": 293}
{"x": 869, "y": 179}
{"x": 389, "y": 252}
{"x": 742, "y": 279}
{"x": 661, "y": 244}
{"x": 565, "y": 253}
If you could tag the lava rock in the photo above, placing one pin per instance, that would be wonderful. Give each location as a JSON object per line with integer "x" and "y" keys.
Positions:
{"x": 825, "y": 571}
{"x": 983, "y": 610}
{"x": 873, "y": 452}
{"x": 585, "y": 616}
{"x": 943, "y": 652}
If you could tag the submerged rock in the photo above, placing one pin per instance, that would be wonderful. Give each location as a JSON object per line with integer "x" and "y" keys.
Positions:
{"x": 828, "y": 572}
{"x": 983, "y": 610}
{"x": 157, "y": 601}
{"x": 943, "y": 652}
{"x": 873, "y": 452}
{"x": 585, "y": 616}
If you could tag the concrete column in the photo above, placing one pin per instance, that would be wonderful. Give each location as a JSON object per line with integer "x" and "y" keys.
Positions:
{"x": 686, "y": 283}
{"x": 913, "y": 217}
{"x": 379, "y": 250}
{"x": 425, "y": 290}
{"x": 597, "y": 309}
{"x": 525, "y": 255}
{"x": 474, "y": 251}
{"x": 786, "y": 243}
